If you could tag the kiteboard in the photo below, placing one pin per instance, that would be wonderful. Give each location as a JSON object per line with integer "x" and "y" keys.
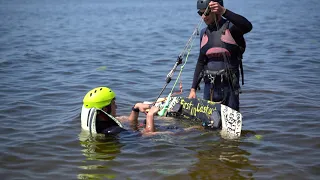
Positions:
{"x": 210, "y": 114}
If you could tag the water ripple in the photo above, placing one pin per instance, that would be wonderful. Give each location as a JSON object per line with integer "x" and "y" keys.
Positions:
{"x": 53, "y": 52}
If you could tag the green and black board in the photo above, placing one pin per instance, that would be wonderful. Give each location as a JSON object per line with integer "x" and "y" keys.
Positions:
{"x": 209, "y": 114}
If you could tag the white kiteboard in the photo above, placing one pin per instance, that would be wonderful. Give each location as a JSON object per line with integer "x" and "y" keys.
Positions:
{"x": 231, "y": 122}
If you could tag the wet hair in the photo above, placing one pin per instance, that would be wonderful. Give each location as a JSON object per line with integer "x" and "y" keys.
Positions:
{"x": 108, "y": 108}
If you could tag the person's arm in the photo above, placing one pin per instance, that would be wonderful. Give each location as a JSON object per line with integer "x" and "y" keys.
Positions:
{"x": 240, "y": 23}
{"x": 197, "y": 71}
{"x": 150, "y": 119}
{"x": 139, "y": 107}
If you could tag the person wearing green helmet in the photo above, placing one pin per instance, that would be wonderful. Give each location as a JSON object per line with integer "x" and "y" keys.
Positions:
{"x": 101, "y": 101}
{"x": 99, "y": 112}
{"x": 220, "y": 58}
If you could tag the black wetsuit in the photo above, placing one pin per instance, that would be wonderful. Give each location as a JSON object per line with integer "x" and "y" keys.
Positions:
{"x": 211, "y": 58}
{"x": 108, "y": 127}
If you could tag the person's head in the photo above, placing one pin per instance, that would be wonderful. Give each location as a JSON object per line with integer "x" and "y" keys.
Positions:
{"x": 101, "y": 98}
{"x": 202, "y": 6}
{"x": 98, "y": 112}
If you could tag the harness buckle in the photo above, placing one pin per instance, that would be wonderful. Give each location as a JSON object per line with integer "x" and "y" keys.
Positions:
{"x": 211, "y": 78}
{"x": 213, "y": 74}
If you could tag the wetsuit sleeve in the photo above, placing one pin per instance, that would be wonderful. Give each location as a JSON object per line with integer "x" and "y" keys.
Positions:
{"x": 241, "y": 24}
{"x": 197, "y": 71}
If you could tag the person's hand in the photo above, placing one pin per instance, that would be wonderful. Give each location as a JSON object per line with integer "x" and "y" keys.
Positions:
{"x": 192, "y": 93}
{"x": 217, "y": 8}
{"x": 142, "y": 107}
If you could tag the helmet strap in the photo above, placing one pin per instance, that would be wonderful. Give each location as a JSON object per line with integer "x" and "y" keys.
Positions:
{"x": 113, "y": 118}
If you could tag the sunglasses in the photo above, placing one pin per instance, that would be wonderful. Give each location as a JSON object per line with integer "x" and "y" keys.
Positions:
{"x": 206, "y": 12}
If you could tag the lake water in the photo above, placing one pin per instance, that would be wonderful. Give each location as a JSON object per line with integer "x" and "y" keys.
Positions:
{"x": 53, "y": 52}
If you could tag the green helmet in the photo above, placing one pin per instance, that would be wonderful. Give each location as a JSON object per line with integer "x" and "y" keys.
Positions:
{"x": 98, "y": 97}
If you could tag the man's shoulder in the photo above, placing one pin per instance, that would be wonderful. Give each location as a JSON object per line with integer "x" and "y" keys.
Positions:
{"x": 202, "y": 31}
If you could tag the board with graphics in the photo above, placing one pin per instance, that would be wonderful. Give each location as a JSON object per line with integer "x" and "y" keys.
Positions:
{"x": 209, "y": 114}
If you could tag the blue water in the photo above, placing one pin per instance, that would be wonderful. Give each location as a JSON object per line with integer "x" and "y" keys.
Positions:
{"x": 53, "y": 52}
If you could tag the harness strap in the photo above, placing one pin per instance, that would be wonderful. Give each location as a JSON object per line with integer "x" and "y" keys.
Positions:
{"x": 231, "y": 78}
{"x": 212, "y": 76}
{"x": 210, "y": 72}
{"x": 226, "y": 26}
{"x": 241, "y": 65}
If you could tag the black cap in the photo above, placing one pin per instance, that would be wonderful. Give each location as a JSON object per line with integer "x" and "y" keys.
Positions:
{"x": 203, "y": 4}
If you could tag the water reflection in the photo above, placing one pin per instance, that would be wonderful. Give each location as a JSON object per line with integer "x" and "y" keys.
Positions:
{"x": 222, "y": 159}
{"x": 99, "y": 147}
{"x": 98, "y": 150}
{"x": 202, "y": 154}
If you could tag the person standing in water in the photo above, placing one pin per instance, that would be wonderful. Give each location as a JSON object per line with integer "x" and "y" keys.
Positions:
{"x": 220, "y": 58}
